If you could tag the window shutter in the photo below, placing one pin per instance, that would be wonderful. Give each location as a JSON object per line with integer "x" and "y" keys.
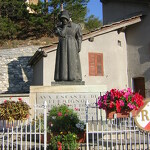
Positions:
{"x": 92, "y": 64}
{"x": 95, "y": 64}
{"x": 99, "y": 64}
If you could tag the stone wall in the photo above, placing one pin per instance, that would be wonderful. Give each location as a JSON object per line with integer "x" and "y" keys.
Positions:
{"x": 15, "y": 75}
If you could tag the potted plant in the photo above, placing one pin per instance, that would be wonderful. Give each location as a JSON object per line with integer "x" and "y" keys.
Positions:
{"x": 121, "y": 102}
{"x": 14, "y": 110}
{"x": 64, "y": 119}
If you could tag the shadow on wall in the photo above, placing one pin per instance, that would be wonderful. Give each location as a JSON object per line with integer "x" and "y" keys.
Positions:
{"x": 144, "y": 53}
{"x": 19, "y": 75}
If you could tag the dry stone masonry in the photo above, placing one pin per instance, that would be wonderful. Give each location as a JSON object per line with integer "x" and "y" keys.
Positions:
{"x": 15, "y": 74}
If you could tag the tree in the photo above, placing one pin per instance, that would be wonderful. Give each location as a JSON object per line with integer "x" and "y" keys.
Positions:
{"x": 76, "y": 8}
{"x": 15, "y": 9}
{"x": 11, "y": 14}
{"x": 92, "y": 23}
{"x": 17, "y": 22}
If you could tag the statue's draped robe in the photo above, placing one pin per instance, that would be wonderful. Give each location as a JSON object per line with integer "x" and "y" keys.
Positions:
{"x": 67, "y": 66}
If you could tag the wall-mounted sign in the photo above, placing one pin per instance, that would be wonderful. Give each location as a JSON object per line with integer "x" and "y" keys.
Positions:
{"x": 142, "y": 119}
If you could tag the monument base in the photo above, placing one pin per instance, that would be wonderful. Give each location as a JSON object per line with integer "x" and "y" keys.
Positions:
{"x": 74, "y": 96}
{"x": 63, "y": 83}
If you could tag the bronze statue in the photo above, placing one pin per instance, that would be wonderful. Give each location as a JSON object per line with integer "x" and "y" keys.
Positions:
{"x": 67, "y": 67}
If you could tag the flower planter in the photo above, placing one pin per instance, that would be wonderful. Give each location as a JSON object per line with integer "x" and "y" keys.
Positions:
{"x": 81, "y": 137}
{"x": 124, "y": 114}
{"x": 9, "y": 124}
{"x": 48, "y": 138}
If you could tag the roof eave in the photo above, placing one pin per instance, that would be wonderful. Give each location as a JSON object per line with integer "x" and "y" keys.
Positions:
{"x": 37, "y": 56}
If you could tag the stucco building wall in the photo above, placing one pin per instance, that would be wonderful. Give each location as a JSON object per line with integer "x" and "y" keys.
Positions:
{"x": 138, "y": 46}
{"x": 114, "y": 58}
{"x": 117, "y": 10}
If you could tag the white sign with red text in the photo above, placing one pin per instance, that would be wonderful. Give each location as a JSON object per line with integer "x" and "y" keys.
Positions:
{"x": 142, "y": 118}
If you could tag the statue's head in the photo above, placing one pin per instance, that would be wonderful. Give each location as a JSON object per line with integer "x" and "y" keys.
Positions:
{"x": 64, "y": 17}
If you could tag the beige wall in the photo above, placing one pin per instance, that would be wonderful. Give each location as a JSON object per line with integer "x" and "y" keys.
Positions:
{"x": 49, "y": 65}
{"x": 114, "y": 61}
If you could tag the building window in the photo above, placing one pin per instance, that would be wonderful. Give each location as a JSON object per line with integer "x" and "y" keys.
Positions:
{"x": 96, "y": 64}
{"x": 119, "y": 43}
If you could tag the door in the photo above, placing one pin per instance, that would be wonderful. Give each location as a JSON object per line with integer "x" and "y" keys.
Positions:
{"x": 139, "y": 85}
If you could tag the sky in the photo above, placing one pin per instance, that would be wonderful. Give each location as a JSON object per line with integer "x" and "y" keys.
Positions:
{"x": 95, "y": 8}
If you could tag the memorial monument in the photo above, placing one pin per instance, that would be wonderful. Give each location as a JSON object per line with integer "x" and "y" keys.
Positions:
{"x": 67, "y": 66}
{"x": 70, "y": 89}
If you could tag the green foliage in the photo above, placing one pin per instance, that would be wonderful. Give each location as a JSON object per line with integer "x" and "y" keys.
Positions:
{"x": 63, "y": 119}
{"x": 92, "y": 23}
{"x": 14, "y": 9}
{"x": 17, "y": 23}
{"x": 12, "y": 110}
{"x": 8, "y": 29}
{"x": 65, "y": 141}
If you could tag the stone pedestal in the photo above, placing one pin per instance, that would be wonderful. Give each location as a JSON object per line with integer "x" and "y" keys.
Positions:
{"x": 75, "y": 96}
{"x": 65, "y": 83}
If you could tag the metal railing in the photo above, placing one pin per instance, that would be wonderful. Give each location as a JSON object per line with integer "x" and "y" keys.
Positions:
{"x": 114, "y": 134}
{"x": 25, "y": 135}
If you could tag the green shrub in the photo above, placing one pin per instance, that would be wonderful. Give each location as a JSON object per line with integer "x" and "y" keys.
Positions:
{"x": 66, "y": 141}
{"x": 64, "y": 119}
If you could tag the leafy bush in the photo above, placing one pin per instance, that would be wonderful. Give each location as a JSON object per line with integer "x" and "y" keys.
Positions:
{"x": 12, "y": 110}
{"x": 63, "y": 119}
{"x": 65, "y": 141}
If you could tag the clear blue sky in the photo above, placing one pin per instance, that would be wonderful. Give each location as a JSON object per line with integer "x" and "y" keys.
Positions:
{"x": 95, "y": 8}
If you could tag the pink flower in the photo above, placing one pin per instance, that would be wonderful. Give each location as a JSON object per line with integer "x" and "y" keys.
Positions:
{"x": 129, "y": 90}
{"x": 27, "y": 116}
{"x": 76, "y": 109}
{"x": 118, "y": 106}
{"x": 66, "y": 114}
{"x": 131, "y": 106}
{"x": 59, "y": 114}
{"x": 5, "y": 101}
{"x": 100, "y": 104}
{"x": 20, "y": 99}
{"x": 111, "y": 105}
{"x": 121, "y": 103}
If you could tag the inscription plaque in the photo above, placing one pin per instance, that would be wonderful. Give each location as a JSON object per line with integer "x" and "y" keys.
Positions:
{"x": 73, "y": 96}
{"x": 76, "y": 101}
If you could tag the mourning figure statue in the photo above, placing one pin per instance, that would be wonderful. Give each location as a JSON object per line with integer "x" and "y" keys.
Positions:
{"x": 67, "y": 67}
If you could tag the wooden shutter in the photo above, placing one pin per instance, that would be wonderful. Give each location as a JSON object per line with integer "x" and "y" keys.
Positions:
{"x": 95, "y": 64}
{"x": 92, "y": 63}
{"x": 99, "y": 64}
